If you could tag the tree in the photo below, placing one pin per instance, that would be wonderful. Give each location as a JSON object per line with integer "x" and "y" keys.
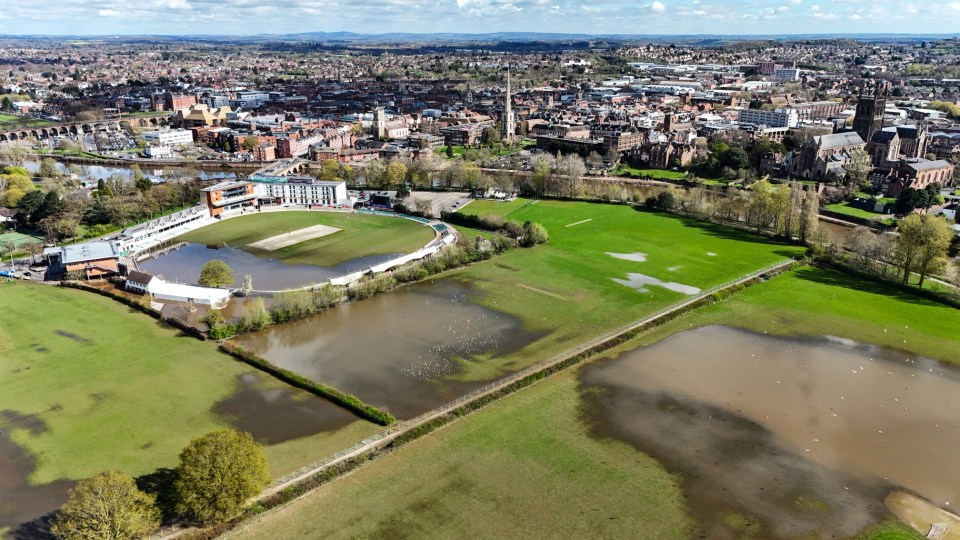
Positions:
{"x": 48, "y": 169}
{"x": 922, "y": 246}
{"x": 761, "y": 209}
{"x": 108, "y": 505}
{"x": 28, "y": 205}
{"x": 858, "y": 168}
{"x": 396, "y": 173}
{"x": 215, "y": 273}
{"x": 490, "y": 135}
{"x": 533, "y": 234}
{"x": 736, "y": 158}
{"x": 247, "y": 285}
{"x": 249, "y": 143}
{"x": 255, "y": 315}
{"x": 217, "y": 474}
{"x": 449, "y": 151}
{"x": 329, "y": 169}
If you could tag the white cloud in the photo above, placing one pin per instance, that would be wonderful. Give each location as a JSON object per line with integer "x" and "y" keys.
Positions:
{"x": 955, "y": 6}
{"x": 814, "y": 8}
{"x": 108, "y": 13}
{"x": 658, "y": 7}
{"x": 173, "y": 4}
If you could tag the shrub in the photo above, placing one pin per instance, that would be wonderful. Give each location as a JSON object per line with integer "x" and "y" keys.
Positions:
{"x": 347, "y": 401}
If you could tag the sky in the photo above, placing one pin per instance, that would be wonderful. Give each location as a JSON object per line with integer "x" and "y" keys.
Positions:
{"x": 661, "y": 17}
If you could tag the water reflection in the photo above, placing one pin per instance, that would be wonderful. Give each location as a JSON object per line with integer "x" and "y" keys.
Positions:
{"x": 759, "y": 424}
{"x": 396, "y": 350}
{"x": 183, "y": 265}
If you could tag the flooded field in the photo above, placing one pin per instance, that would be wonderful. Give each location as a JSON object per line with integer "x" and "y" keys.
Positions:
{"x": 400, "y": 351}
{"x": 788, "y": 437}
{"x": 272, "y": 413}
{"x": 183, "y": 265}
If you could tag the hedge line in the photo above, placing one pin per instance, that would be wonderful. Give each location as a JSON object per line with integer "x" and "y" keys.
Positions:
{"x": 335, "y": 471}
{"x": 347, "y": 401}
{"x": 183, "y": 327}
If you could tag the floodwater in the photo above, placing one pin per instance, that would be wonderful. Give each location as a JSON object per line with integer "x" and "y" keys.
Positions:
{"x": 804, "y": 436}
{"x": 19, "y": 501}
{"x": 272, "y": 414}
{"x": 279, "y": 414}
{"x": 399, "y": 351}
{"x": 183, "y": 266}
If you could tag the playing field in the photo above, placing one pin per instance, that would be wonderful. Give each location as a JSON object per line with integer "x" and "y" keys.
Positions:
{"x": 813, "y": 301}
{"x": 523, "y": 468}
{"x": 17, "y": 239}
{"x": 90, "y": 385}
{"x": 360, "y": 235}
{"x": 566, "y": 288}
{"x": 527, "y": 467}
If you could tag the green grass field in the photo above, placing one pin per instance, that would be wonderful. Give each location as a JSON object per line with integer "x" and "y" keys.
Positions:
{"x": 111, "y": 388}
{"x": 813, "y": 301}
{"x": 565, "y": 288}
{"x": 664, "y": 174}
{"x": 526, "y": 467}
{"x": 10, "y": 121}
{"x": 523, "y": 468}
{"x": 847, "y": 210}
{"x": 18, "y": 239}
{"x": 360, "y": 235}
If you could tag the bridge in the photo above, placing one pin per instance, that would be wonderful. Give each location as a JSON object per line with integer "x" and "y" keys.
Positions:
{"x": 78, "y": 128}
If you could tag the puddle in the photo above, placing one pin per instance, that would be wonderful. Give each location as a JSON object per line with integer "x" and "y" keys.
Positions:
{"x": 639, "y": 282}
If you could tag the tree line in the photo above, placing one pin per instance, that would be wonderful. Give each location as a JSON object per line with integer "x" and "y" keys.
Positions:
{"x": 217, "y": 474}
{"x": 61, "y": 210}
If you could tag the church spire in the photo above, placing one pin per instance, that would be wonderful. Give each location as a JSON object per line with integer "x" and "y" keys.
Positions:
{"x": 507, "y": 124}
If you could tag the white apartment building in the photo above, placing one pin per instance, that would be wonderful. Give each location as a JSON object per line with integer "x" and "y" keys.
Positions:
{"x": 305, "y": 190}
{"x": 779, "y": 118}
{"x": 168, "y": 137}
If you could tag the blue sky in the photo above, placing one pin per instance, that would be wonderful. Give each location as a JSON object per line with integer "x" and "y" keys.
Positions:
{"x": 107, "y": 17}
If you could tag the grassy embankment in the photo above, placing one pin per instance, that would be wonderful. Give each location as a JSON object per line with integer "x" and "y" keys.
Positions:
{"x": 11, "y": 121}
{"x": 527, "y": 467}
{"x": 565, "y": 288}
{"x": 359, "y": 235}
{"x": 115, "y": 389}
{"x": 814, "y": 301}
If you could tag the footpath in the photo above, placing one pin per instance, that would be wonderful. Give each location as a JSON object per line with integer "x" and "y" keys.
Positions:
{"x": 385, "y": 437}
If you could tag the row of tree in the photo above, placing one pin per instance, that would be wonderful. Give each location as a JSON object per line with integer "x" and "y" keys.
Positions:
{"x": 60, "y": 211}
{"x": 217, "y": 474}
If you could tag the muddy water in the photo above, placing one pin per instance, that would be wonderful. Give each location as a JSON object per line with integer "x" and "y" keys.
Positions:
{"x": 183, "y": 265}
{"x": 803, "y": 435}
{"x": 279, "y": 414}
{"x": 19, "y": 501}
{"x": 272, "y": 414}
{"x": 398, "y": 350}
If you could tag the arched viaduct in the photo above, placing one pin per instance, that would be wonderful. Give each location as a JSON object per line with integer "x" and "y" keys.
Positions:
{"x": 77, "y": 128}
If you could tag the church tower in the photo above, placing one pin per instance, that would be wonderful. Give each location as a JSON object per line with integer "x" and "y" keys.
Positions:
{"x": 870, "y": 108}
{"x": 507, "y": 124}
